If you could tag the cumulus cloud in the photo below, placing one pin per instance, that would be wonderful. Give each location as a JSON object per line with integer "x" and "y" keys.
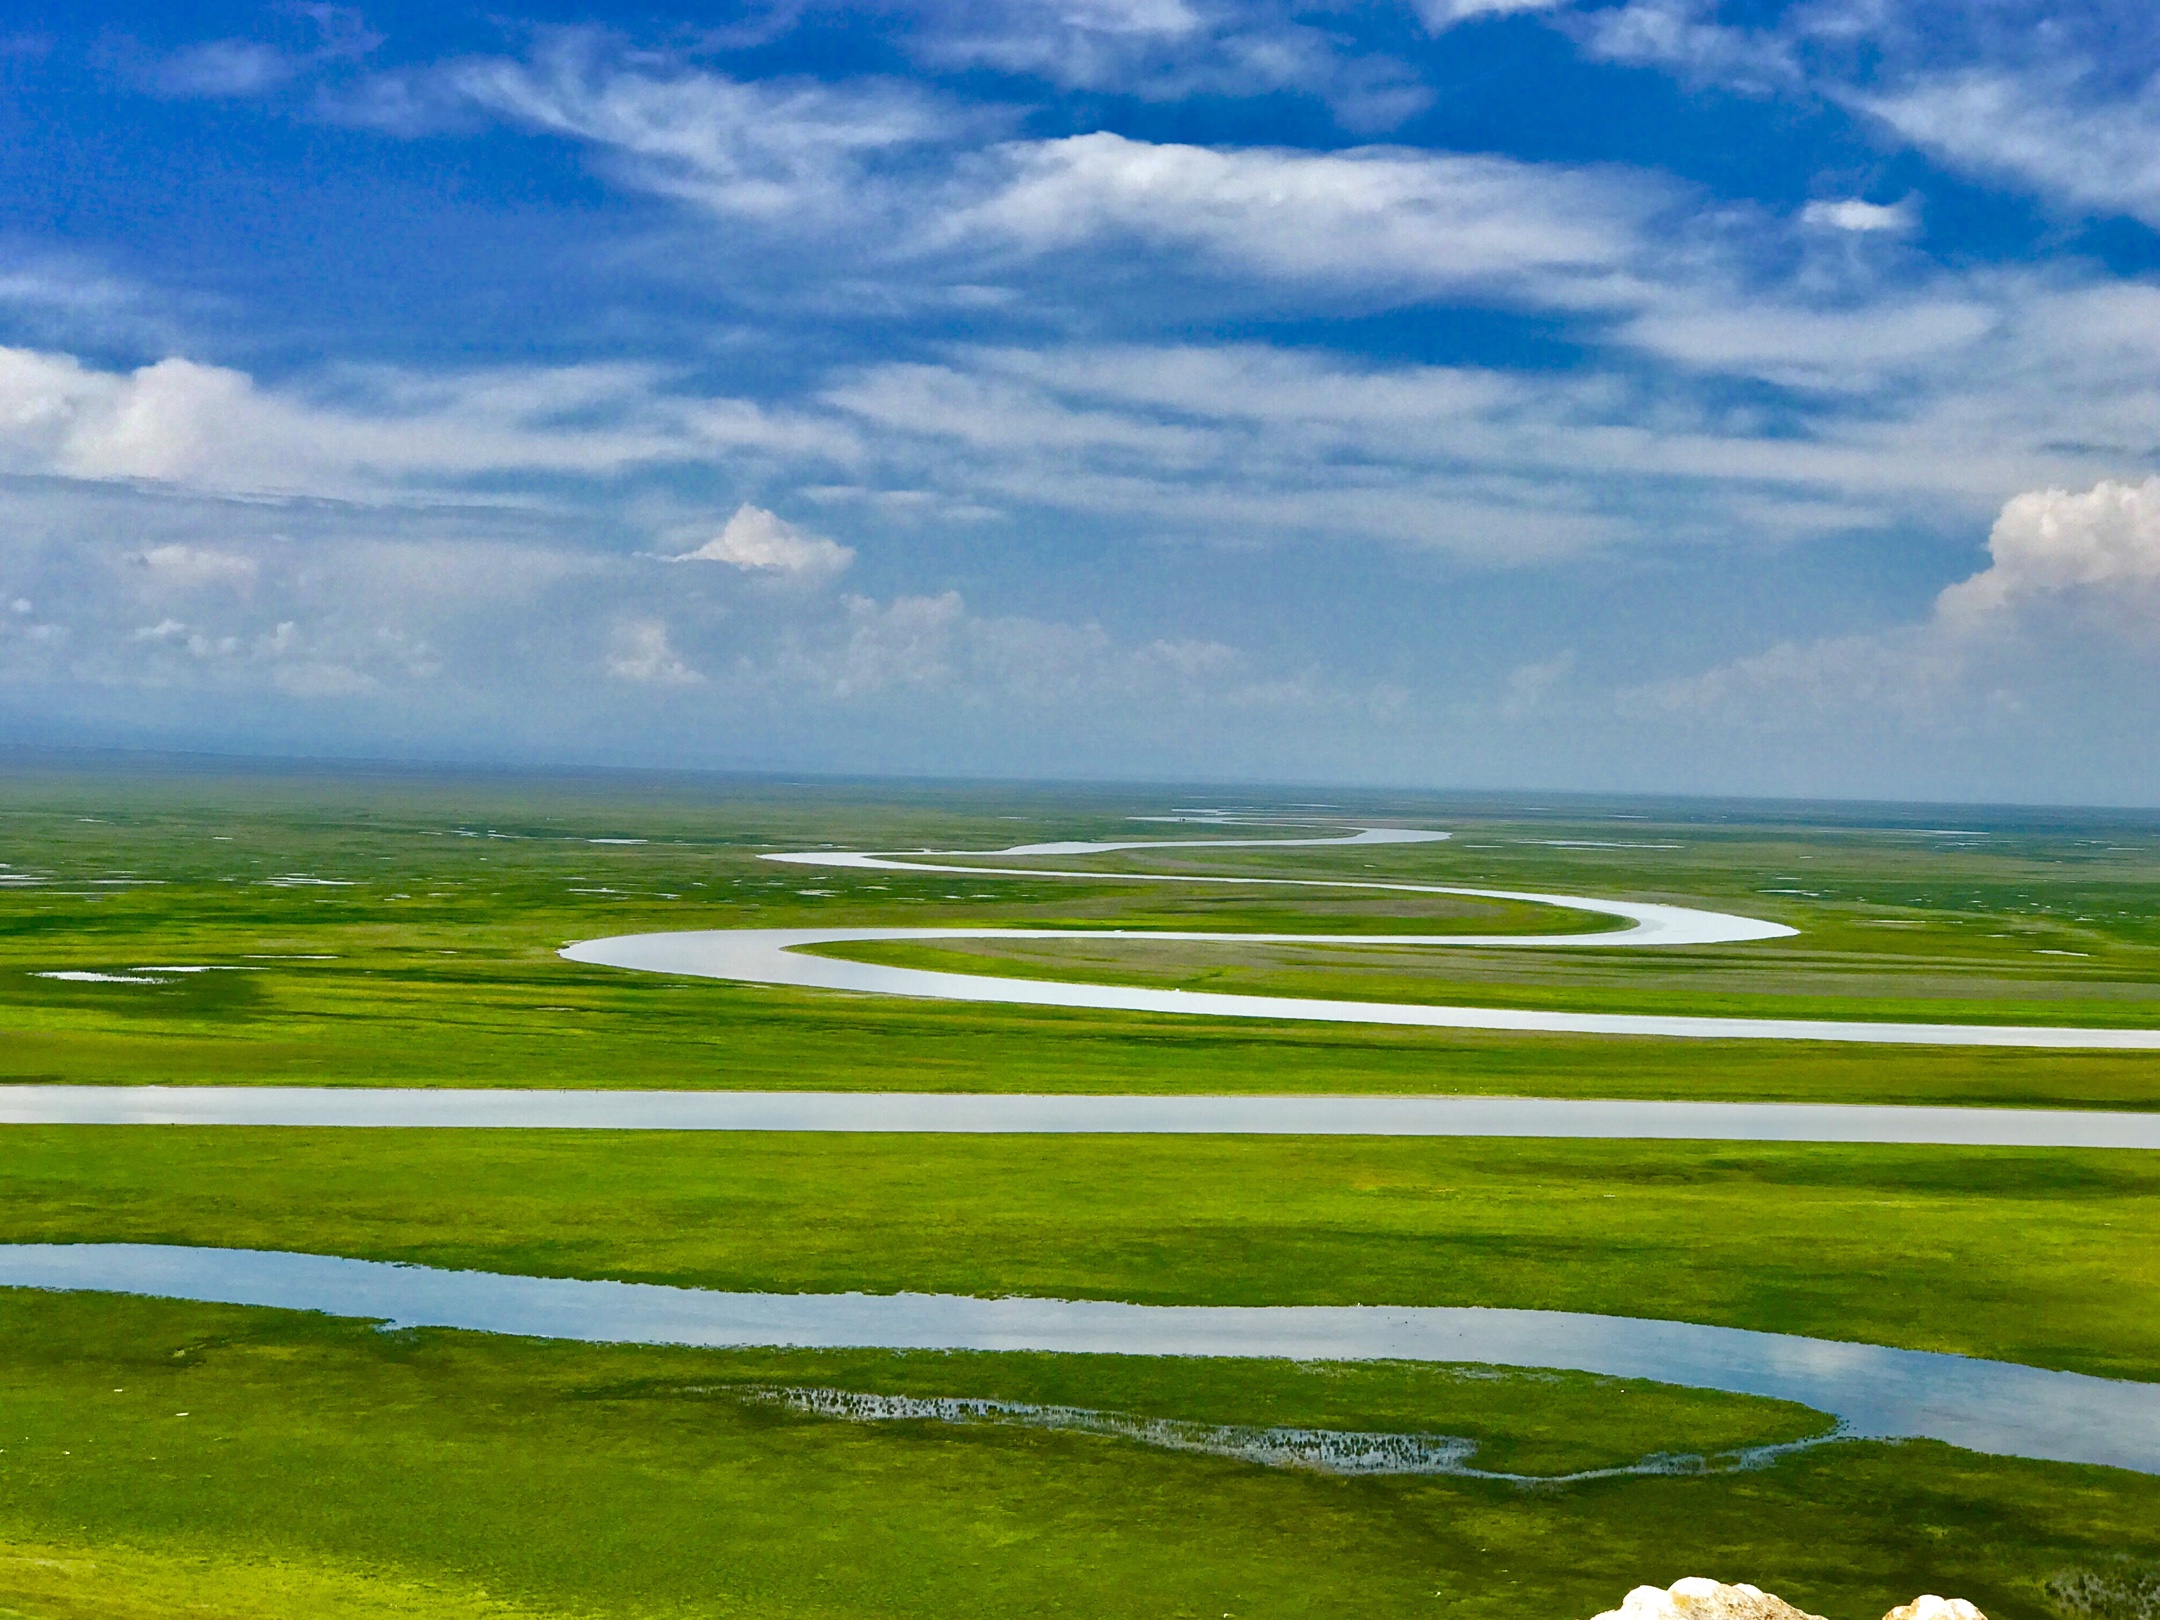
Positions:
{"x": 2051, "y": 545}
{"x": 2072, "y": 583}
{"x": 641, "y": 652}
{"x": 757, "y": 542}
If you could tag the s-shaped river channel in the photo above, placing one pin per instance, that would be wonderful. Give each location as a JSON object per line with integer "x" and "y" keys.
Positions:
{"x": 777, "y": 956}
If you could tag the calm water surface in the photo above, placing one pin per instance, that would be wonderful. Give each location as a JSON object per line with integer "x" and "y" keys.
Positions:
{"x": 1874, "y": 1390}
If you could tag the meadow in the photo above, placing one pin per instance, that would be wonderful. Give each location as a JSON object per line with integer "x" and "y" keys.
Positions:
{"x": 400, "y": 928}
{"x": 396, "y": 930}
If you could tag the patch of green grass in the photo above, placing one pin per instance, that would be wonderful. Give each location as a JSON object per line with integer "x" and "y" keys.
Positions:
{"x": 462, "y": 1475}
{"x": 107, "y": 1580}
{"x": 2051, "y": 1258}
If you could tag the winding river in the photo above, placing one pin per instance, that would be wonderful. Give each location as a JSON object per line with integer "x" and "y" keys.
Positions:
{"x": 779, "y": 956}
{"x": 1875, "y": 1391}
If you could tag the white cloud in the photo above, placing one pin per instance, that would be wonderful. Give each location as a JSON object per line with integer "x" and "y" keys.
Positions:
{"x": 1684, "y": 35}
{"x": 1372, "y": 216}
{"x": 757, "y": 542}
{"x": 2060, "y": 101}
{"x": 1922, "y": 407}
{"x": 225, "y": 67}
{"x": 788, "y": 152}
{"x": 641, "y": 652}
{"x": 1256, "y": 443}
{"x": 1532, "y": 687}
{"x": 209, "y": 427}
{"x": 2050, "y": 545}
{"x": 1802, "y": 347}
{"x": 59, "y": 285}
{"x": 442, "y": 634}
{"x": 912, "y": 190}
{"x": 1855, "y": 214}
{"x": 1164, "y": 50}
{"x": 909, "y": 642}
{"x": 1438, "y": 15}
{"x": 882, "y": 651}
{"x": 187, "y": 566}
{"x": 2049, "y": 127}
{"x": 197, "y": 643}
{"x": 222, "y": 68}
{"x": 2071, "y": 592}
{"x": 240, "y": 602}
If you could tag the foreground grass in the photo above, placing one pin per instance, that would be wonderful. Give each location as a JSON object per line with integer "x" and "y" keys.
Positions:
{"x": 323, "y": 1469}
{"x": 2051, "y": 1258}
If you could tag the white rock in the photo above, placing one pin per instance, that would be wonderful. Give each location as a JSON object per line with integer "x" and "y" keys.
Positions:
{"x": 1698, "y": 1599}
{"x": 1931, "y": 1607}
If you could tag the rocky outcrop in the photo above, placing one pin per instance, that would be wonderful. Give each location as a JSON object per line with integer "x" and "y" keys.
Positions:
{"x": 1698, "y": 1599}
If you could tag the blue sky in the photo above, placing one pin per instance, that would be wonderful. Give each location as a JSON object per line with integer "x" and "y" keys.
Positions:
{"x": 1653, "y": 395}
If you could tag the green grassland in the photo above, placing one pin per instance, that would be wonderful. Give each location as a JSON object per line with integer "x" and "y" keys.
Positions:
{"x": 325, "y": 1469}
{"x": 402, "y": 930}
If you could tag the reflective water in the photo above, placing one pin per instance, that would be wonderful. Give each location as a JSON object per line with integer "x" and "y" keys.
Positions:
{"x": 1022, "y": 1113}
{"x": 1874, "y": 1391}
{"x": 776, "y": 956}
